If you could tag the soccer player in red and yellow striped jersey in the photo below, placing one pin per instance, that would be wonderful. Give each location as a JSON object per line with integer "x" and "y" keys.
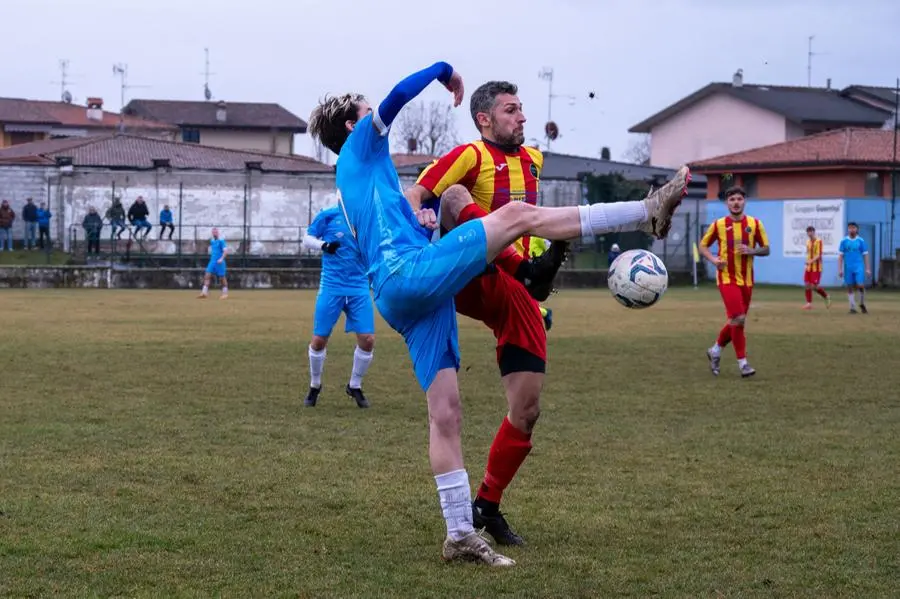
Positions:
{"x": 812, "y": 277}
{"x": 740, "y": 239}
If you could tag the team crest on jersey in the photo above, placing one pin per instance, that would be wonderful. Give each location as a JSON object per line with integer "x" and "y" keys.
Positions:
{"x": 748, "y": 229}
{"x": 534, "y": 170}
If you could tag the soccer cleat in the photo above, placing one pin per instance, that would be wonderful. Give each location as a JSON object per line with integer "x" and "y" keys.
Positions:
{"x": 358, "y": 397}
{"x": 828, "y": 302}
{"x": 224, "y": 296}
{"x": 662, "y": 203}
{"x": 747, "y": 370}
{"x": 201, "y": 296}
{"x": 312, "y": 397}
{"x": 539, "y": 279}
{"x": 548, "y": 319}
{"x": 496, "y": 526}
{"x": 714, "y": 361}
{"x": 863, "y": 309}
{"x": 473, "y": 548}
{"x": 852, "y": 310}
{"x": 807, "y": 306}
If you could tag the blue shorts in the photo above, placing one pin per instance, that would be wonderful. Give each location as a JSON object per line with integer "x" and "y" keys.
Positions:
{"x": 417, "y": 300}
{"x": 360, "y": 316}
{"x": 854, "y": 276}
{"x": 215, "y": 268}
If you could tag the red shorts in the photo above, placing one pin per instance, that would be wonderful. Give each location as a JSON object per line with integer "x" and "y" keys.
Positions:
{"x": 504, "y": 305}
{"x": 812, "y": 278}
{"x": 736, "y": 299}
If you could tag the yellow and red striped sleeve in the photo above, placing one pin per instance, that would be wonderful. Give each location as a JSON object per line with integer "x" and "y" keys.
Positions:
{"x": 712, "y": 234}
{"x": 460, "y": 165}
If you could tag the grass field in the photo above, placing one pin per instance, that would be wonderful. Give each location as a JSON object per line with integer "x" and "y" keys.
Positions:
{"x": 155, "y": 445}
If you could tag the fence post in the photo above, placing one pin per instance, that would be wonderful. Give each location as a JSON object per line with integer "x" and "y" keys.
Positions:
{"x": 180, "y": 212}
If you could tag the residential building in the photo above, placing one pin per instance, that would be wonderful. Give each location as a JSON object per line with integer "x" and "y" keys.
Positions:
{"x": 260, "y": 127}
{"x": 724, "y": 118}
{"x": 260, "y": 202}
{"x": 25, "y": 121}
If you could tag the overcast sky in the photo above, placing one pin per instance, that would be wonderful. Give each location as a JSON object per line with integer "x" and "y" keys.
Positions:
{"x": 637, "y": 56}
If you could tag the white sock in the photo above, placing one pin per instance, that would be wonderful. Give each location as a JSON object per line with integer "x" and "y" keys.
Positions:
{"x": 742, "y": 362}
{"x": 598, "y": 219}
{"x": 361, "y": 361}
{"x": 224, "y": 290}
{"x": 456, "y": 502}
{"x": 852, "y": 299}
{"x": 316, "y": 365}
{"x": 205, "y": 289}
{"x": 716, "y": 349}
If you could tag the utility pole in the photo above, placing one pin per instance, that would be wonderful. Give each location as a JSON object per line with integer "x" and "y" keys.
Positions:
{"x": 547, "y": 75}
{"x": 895, "y": 172}
{"x": 809, "y": 57}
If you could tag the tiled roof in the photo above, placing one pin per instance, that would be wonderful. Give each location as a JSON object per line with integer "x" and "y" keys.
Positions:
{"x": 846, "y": 147}
{"x": 40, "y": 112}
{"x": 203, "y": 114}
{"x": 402, "y": 160}
{"x": 797, "y": 104}
{"x": 128, "y": 151}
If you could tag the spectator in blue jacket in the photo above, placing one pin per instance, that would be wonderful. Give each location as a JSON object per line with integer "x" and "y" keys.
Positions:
{"x": 43, "y": 221}
{"x": 30, "y": 216}
{"x": 614, "y": 252}
{"x": 165, "y": 220}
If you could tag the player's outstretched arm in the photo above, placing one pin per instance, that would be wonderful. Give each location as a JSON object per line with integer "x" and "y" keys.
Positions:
{"x": 412, "y": 86}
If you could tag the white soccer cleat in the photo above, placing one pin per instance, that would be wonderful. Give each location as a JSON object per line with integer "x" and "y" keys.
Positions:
{"x": 474, "y": 548}
{"x": 663, "y": 202}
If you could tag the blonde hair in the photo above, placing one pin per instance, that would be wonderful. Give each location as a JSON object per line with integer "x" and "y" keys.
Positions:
{"x": 327, "y": 123}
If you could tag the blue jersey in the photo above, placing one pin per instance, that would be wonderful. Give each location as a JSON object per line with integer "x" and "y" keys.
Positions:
{"x": 343, "y": 272}
{"x": 216, "y": 249}
{"x": 853, "y": 251}
{"x": 369, "y": 190}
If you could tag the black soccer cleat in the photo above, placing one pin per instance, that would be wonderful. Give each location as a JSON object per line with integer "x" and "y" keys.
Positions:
{"x": 496, "y": 526}
{"x": 358, "y": 397}
{"x": 312, "y": 397}
{"x": 538, "y": 276}
{"x": 863, "y": 309}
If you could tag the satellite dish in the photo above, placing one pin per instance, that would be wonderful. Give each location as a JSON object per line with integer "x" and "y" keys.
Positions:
{"x": 207, "y": 93}
{"x": 67, "y": 97}
{"x": 551, "y": 130}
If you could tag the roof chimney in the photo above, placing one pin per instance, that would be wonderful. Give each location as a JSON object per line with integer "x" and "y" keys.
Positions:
{"x": 738, "y": 79}
{"x": 412, "y": 145}
{"x": 221, "y": 112}
{"x": 95, "y": 109}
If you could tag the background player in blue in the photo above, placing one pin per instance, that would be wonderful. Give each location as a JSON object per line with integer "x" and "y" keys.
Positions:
{"x": 853, "y": 265}
{"x": 415, "y": 281}
{"x": 343, "y": 287}
{"x": 217, "y": 252}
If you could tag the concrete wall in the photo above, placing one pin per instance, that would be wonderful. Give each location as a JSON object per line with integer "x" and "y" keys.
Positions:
{"x": 276, "y": 207}
{"x": 785, "y": 265}
{"x": 238, "y": 278}
{"x": 259, "y": 141}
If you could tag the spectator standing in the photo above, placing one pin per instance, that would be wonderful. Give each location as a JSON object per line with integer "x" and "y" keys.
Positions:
{"x": 30, "y": 216}
{"x": 92, "y": 225}
{"x": 7, "y": 217}
{"x": 43, "y": 219}
{"x": 614, "y": 252}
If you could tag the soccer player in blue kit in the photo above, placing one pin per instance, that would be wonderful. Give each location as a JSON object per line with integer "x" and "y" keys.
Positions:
{"x": 343, "y": 287}
{"x": 853, "y": 265}
{"x": 415, "y": 281}
{"x": 217, "y": 252}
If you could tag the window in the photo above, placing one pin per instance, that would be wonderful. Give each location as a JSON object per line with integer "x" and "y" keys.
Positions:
{"x": 748, "y": 182}
{"x": 190, "y": 136}
{"x": 874, "y": 185}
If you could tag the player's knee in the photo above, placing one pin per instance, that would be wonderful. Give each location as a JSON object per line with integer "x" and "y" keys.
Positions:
{"x": 518, "y": 215}
{"x": 366, "y": 342}
{"x": 446, "y": 416}
{"x": 738, "y": 321}
{"x": 318, "y": 343}
{"x": 524, "y": 414}
{"x": 453, "y": 200}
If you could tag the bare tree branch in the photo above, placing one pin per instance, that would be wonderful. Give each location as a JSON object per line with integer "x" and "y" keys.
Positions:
{"x": 431, "y": 126}
{"x": 638, "y": 151}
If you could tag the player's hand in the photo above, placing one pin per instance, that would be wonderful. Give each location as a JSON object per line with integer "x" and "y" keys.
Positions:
{"x": 840, "y": 272}
{"x": 744, "y": 249}
{"x": 455, "y": 85}
{"x": 720, "y": 264}
{"x": 427, "y": 218}
{"x": 330, "y": 247}
{"x": 868, "y": 272}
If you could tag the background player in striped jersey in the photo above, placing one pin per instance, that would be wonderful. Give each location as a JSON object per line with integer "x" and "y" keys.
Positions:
{"x": 812, "y": 276}
{"x": 740, "y": 238}
{"x": 499, "y": 170}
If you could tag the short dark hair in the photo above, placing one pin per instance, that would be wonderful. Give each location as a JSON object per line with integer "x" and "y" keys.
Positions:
{"x": 810, "y": 228}
{"x": 735, "y": 189}
{"x": 485, "y": 96}
{"x": 328, "y": 121}
{"x": 852, "y": 224}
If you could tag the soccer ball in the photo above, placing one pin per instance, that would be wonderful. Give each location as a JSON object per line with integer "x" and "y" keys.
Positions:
{"x": 637, "y": 279}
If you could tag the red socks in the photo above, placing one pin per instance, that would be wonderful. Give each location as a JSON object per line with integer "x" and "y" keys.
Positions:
{"x": 740, "y": 341}
{"x": 724, "y": 336}
{"x": 509, "y": 259}
{"x": 821, "y": 292}
{"x": 809, "y": 296}
{"x": 509, "y": 449}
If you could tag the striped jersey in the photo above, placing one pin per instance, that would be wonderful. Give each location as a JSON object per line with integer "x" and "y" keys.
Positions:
{"x": 493, "y": 175}
{"x": 814, "y": 255}
{"x": 730, "y": 234}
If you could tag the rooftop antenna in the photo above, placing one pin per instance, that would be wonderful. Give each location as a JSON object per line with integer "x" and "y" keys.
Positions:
{"x": 207, "y": 93}
{"x": 120, "y": 70}
{"x": 64, "y": 94}
{"x": 551, "y": 130}
{"x": 809, "y": 57}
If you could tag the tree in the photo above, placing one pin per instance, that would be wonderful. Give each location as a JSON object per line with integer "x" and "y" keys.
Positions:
{"x": 638, "y": 151}
{"x": 431, "y": 126}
